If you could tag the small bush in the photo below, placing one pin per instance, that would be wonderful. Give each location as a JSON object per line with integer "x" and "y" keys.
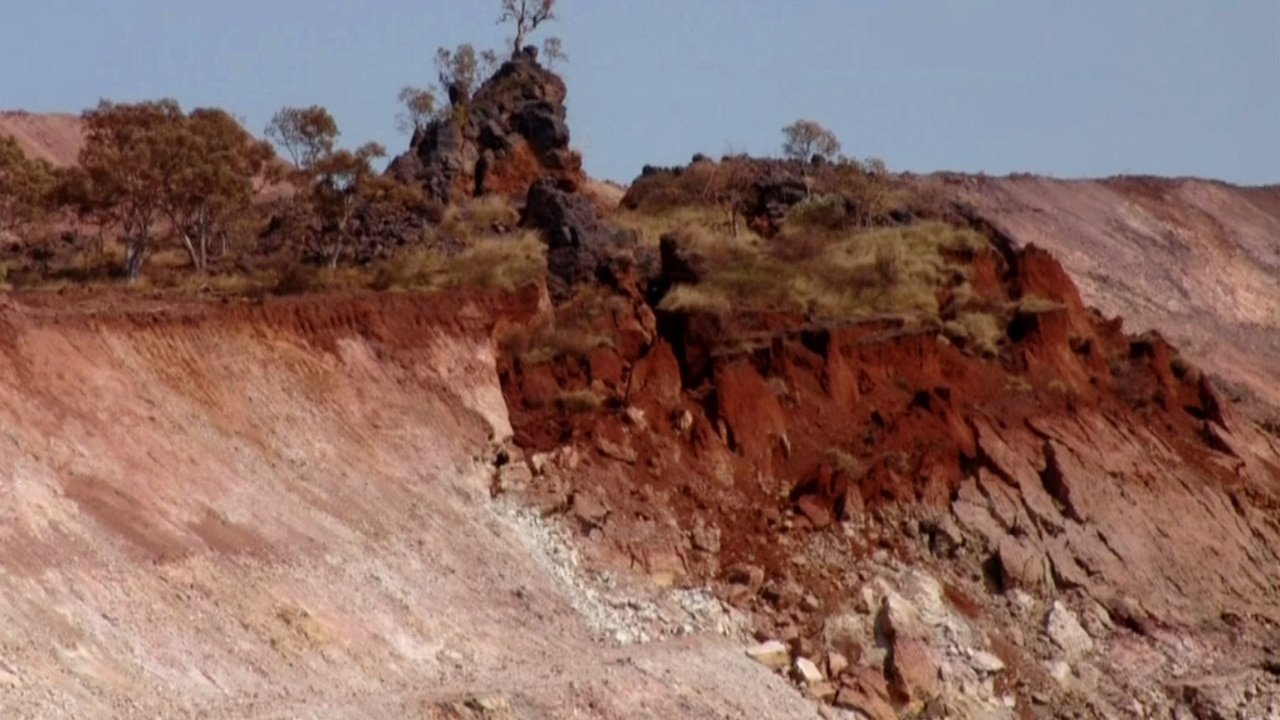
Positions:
{"x": 983, "y": 332}
{"x": 843, "y": 462}
{"x": 554, "y": 345}
{"x": 818, "y": 212}
{"x": 579, "y": 401}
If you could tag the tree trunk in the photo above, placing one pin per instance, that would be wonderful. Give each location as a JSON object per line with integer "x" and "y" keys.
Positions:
{"x": 135, "y": 254}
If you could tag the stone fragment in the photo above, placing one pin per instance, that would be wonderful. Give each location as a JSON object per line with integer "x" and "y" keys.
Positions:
{"x": 866, "y": 693}
{"x": 772, "y": 654}
{"x": 621, "y": 451}
{"x": 590, "y": 509}
{"x": 836, "y": 664}
{"x": 985, "y": 662}
{"x": 635, "y": 417}
{"x": 824, "y": 691}
{"x": 913, "y": 669}
{"x": 705, "y": 538}
{"x": 513, "y": 478}
{"x": 945, "y": 538}
{"x": 1060, "y": 670}
{"x": 847, "y": 634}
{"x": 1065, "y": 631}
{"x": 817, "y": 513}
{"x": 807, "y": 672}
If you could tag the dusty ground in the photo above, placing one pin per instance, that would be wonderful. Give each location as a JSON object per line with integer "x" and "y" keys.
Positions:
{"x": 254, "y": 512}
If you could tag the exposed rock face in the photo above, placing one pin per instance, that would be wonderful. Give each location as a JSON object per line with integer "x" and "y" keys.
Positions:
{"x": 1080, "y": 465}
{"x": 508, "y": 134}
{"x": 581, "y": 246}
{"x": 1195, "y": 259}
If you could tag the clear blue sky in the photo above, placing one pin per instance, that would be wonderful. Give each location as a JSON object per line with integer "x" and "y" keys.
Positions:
{"x": 1071, "y": 89}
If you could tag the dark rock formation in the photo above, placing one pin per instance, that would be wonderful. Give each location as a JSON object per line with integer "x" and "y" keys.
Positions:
{"x": 581, "y": 246}
{"x": 508, "y": 134}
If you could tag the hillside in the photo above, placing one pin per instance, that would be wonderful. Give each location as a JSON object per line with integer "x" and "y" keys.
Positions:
{"x": 55, "y": 137}
{"x": 480, "y": 438}
{"x": 284, "y": 512}
{"x": 1197, "y": 260}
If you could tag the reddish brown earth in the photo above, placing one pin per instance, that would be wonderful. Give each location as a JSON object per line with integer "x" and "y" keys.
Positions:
{"x": 1082, "y": 463}
{"x": 1197, "y": 260}
{"x": 282, "y": 510}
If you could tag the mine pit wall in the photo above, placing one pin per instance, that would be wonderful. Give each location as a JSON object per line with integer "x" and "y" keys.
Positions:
{"x": 208, "y": 504}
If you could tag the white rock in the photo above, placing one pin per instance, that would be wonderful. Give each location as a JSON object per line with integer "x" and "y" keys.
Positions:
{"x": 1060, "y": 671}
{"x": 985, "y": 662}
{"x": 1065, "y": 631}
{"x": 1023, "y": 600}
{"x": 807, "y": 672}
{"x": 773, "y": 655}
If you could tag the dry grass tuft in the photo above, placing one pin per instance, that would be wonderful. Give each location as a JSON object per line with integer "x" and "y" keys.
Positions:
{"x": 478, "y": 217}
{"x": 504, "y": 263}
{"x": 579, "y": 401}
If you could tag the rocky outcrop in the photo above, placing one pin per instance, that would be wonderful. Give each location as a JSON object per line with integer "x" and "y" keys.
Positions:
{"x": 508, "y": 134}
{"x": 581, "y": 246}
{"x": 1084, "y": 496}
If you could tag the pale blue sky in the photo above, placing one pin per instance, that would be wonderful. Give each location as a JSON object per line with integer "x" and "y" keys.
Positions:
{"x": 1071, "y": 89}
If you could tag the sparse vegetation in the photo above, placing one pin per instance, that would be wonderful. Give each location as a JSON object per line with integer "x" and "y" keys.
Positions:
{"x": 494, "y": 263}
{"x": 886, "y": 271}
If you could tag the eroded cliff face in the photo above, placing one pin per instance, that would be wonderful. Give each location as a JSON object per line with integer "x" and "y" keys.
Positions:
{"x": 1197, "y": 260}
{"x": 282, "y": 510}
{"x": 807, "y": 469}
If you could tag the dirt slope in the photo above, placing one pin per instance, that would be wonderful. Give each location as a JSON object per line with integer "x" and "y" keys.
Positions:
{"x": 56, "y": 137}
{"x": 253, "y": 512}
{"x": 1197, "y": 260}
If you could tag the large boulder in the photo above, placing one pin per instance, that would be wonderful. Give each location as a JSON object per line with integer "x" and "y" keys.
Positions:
{"x": 511, "y": 132}
{"x": 581, "y": 246}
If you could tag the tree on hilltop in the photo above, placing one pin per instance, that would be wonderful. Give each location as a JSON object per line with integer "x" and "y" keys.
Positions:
{"x": 526, "y": 15}
{"x": 306, "y": 134}
{"x": 463, "y": 70}
{"x": 805, "y": 139}
{"x": 337, "y": 186}
{"x": 553, "y": 52}
{"x": 148, "y": 161}
{"x": 125, "y": 160}
{"x": 212, "y": 174}
{"x": 417, "y": 108}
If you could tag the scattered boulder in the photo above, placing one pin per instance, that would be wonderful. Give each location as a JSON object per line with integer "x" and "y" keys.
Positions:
{"x": 985, "y": 662}
{"x": 836, "y": 664}
{"x": 913, "y": 670}
{"x": 772, "y": 654}
{"x": 866, "y": 693}
{"x": 589, "y": 509}
{"x": 806, "y": 671}
{"x": 705, "y": 538}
